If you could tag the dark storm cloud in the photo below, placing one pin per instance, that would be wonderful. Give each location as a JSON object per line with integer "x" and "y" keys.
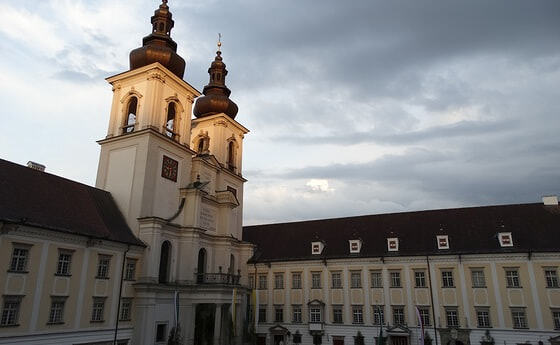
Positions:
{"x": 455, "y": 130}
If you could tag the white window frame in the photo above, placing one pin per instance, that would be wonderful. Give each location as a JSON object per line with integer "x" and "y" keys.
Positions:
{"x": 357, "y": 314}
{"x": 355, "y": 279}
{"x": 338, "y": 310}
{"x": 378, "y": 314}
{"x": 103, "y": 266}
{"x": 452, "y": 317}
{"x": 395, "y": 281}
{"x": 483, "y": 318}
{"x": 551, "y": 277}
{"x": 315, "y": 280}
{"x": 447, "y": 280}
{"x": 296, "y": 313}
{"x": 442, "y": 241}
{"x": 56, "y": 312}
{"x": 400, "y": 315}
{"x": 477, "y": 274}
{"x": 393, "y": 244}
{"x": 512, "y": 277}
{"x": 317, "y": 247}
{"x": 355, "y": 246}
{"x": 505, "y": 238}
{"x": 278, "y": 280}
{"x": 64, "y": 263}
{"x": 315, "y": 314}
{"x": 376, "y": 279}
{"x": 519, "y": 318}
{"x": 10, "y": 310}
{"x": 98, "y": 309}
{"x": 420, "y": 279}
{"x": 336, "y": 278}
{"x": 296, "y": 280}
{"x": 125, "y": 314}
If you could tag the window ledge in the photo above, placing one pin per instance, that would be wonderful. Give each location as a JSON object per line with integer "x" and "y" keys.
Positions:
{"x": 125, "y": 319}
{"x": 480, "y": 287}
{"x": 56, "y": 323}
{"x": 129, "y": 280}
{"x": 96, "y": 321}
{"x": 514, "y": 287}
{"x": 20, "y": 272}
{"x": 520, "y": 327}
{"x": 6, "y": 326}
{"x": 97, "y": 277}
{"x": 62, "y": 275}
{"x": 483, "y": 326}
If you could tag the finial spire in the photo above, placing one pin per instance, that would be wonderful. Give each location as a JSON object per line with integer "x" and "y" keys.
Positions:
{"x": 219, "y": 41}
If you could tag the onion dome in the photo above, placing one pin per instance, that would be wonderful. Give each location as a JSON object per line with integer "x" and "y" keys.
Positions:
{"x": 158, "y": 46}
{"x": 216, "y": 93}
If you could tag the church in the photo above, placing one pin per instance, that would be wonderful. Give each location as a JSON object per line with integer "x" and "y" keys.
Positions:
{"x": 156, "y": 252}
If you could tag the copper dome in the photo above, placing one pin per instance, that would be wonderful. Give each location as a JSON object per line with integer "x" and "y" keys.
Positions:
{"x": 158, "y": 46}
{"x": 216, "y": 93}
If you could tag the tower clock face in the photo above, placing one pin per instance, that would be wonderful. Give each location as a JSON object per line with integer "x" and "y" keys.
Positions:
{"x": 169, "y": 168}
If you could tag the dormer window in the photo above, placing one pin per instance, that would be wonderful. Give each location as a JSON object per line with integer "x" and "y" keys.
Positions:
{"x": 171, "y": 123}
{"x": 505, "y": 239}
{"x": 442, "y": 241}
{"x": 317, "y": 247}
{"x": 130, "y": 118}
{"x": 355, "y": 246}
{"x": 393, "y": 244}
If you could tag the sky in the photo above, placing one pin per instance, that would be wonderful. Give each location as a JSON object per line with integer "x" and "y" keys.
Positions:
{"x": 355, "y": 107}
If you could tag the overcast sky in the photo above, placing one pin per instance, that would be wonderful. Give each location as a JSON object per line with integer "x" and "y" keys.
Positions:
{"x": 354, "y": 107}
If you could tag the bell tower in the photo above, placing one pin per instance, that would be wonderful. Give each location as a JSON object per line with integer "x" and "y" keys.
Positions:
{"x": 145, "y": 157}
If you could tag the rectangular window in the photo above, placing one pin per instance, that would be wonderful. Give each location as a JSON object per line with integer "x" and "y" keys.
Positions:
{"x": 396, "y": 279}
{"x": 420, "y": 279}
{"x": 512, "y": 278}
{"x": 356, "y": 279}
{"x": 556, "y": 318}
{"x": 398, "y": 316}
{"x": 103, "y": 264}
{"x": 296, "y": 280}
{"x": 10, "y": 311}
{"x": 376, "y": 279}
{"x": 97, "y": 309}
{"x": 251, "y": 281}
{"x": 519, "y": 318}
{"x": 424, "y": 315}
{"x": 278, "y": 314}
{"x": 316, "y": 280}
{"x": 126, "y": 309}
{"x": 262, "y": 313}
{"x": 452, "y": 317}
{"x": 64, "y": 263}
{"x": 130, "y": 269}
{"x": 447, "y": 279}
{"x": 278, "y": 280}
{"x": 262, "y": 281}
{"x": 56, "y": 314}
{"x": 161, "y": 332}
{"x": 483, "y": 318}
{"x": 315, "y": 315}
{"x": 378, "y": 315}
{"x": 551, "y": 277}
{"x": 337, "y": 314}
{"x": 19, "y": 259}
{"x": 357, "y": 314}
{"x": 336, "y": 280}
{"x": 478, "y": 279}
{"x": 296, "y": 313}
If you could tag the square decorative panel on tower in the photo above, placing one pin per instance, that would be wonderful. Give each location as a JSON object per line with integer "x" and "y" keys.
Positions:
{"x": 169, "y": 168}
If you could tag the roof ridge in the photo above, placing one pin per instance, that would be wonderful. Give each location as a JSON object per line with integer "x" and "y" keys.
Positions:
{"x": 393, "y": 213}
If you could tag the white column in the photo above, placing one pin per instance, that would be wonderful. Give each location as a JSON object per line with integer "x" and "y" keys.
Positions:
{"x": 409, "y": 290}
{"x": 39, "y": 287}
{"x": 498, "y": 296}
{"x": 386, "y": 296}
{"x": 463, "y": 284}
{"x": 435, "y": 294}
{"x": 187, "y": 316}
{"x": 365, "y": 290}
{"x": 347, "y": 307}
{"x": 217, "y": 324}
{"x": 326, "y": 299}
{"x": 83, "y": 280}
{"x": 535, "y": 295}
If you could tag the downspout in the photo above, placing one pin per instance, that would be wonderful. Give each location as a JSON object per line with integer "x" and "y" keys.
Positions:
{"x": 120, "y": 293}
{"x": 432, "y": 298}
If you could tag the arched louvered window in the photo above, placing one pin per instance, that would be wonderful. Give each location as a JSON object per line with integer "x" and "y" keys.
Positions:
{"x": 171, "y": 121}
{"x": 164, "y": 261}
{"x": 130, "y": 117}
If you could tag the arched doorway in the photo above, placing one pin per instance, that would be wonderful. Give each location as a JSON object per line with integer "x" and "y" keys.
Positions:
{"x": 164, "y": 262}
{"x": 201, "y": 267}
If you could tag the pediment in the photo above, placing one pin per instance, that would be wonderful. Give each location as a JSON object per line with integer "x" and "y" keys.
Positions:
{"x": 316, "y": 302}
{"x": 278, "y": 329}
{"x": 399, "y": 329}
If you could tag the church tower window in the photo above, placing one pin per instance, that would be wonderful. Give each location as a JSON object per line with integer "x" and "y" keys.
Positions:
{"x": 171, "y": 123}
{"x": 130, "y": 119}
{"x": 164, "y": 262}
{"x": 231, "y": 156}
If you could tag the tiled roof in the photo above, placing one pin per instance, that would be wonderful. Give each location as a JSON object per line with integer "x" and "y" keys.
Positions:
{"x": 473, "y": 230}
{"x": 47, "y": 201}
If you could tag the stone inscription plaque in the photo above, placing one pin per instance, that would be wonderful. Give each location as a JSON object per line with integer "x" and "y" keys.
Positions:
{"x": 207, "y": 217}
